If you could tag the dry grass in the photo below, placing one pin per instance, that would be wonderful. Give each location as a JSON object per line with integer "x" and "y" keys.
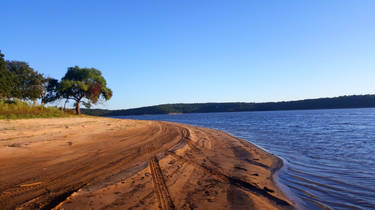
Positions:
{"x": 22, "y": 110}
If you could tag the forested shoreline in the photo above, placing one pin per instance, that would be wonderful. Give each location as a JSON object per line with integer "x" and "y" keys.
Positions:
{"x": 354, "y": 101}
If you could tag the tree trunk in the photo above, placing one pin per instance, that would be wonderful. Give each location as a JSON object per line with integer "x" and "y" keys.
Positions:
{"x": 78, "y": 108}
{"x": 66, "y": 101}
{"x": 34, "y": 102}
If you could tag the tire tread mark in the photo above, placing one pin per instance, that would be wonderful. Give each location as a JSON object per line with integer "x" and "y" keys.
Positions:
{"x": 160, "y": 187}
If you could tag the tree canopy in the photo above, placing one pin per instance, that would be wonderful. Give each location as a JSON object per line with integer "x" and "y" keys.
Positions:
{"x": 6, "y": 79}
{"x": 27, "y": 83}
{"x": 51, "y": 90}
{"x": 86, "y": 85}
{"x": 19, "y": 80}
{"x": 83, "y": 85}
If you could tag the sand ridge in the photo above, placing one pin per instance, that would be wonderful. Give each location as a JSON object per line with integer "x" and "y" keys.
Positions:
{"x": 102, "y": 163}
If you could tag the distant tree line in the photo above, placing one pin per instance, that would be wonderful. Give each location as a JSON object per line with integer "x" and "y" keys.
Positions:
{"x": 355, "y": 101}
{"x": 18, "y": 81}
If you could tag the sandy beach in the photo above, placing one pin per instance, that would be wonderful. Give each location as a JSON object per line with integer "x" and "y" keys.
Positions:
{"x": 102, "y": 163}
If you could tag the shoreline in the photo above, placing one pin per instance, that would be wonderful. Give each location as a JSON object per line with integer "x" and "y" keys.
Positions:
{"x": 298, "y": 203}
{"x": 117, "y": 163}
{"x": 275, "y": 173}
{"x": 283, "y": 165}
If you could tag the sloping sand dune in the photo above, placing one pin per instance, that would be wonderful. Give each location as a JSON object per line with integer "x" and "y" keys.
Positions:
{"x": 100, "y": 163}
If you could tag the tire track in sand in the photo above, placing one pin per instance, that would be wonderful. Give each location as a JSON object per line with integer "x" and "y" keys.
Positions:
{"x": 161, "y": 189}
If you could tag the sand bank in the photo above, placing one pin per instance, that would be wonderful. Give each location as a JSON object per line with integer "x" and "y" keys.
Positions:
{"x": 101, "y": 163}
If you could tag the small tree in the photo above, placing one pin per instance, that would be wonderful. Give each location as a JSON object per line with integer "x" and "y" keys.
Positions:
{"x": 86, "y": 85}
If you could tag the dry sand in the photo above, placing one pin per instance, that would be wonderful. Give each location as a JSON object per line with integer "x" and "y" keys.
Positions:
{"x": 101, "y": 163}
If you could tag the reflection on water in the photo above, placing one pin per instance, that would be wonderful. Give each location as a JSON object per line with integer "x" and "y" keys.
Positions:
{"x": 330, "y": 154}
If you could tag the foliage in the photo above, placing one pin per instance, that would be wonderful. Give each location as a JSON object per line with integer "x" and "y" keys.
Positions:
{"x": 85, "y": 85}
{"x": 356, "y": 101}
{"x": 6, "y": 79}
{"x": 27, "y": 83}
{"x": 95, "y": 112}
{"x": 51, "y": 90}
{"x": 17, "y": 109}
{"x": 18, "y": 81}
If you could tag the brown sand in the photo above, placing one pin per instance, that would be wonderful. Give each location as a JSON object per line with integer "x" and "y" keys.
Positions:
{"x": 100, "y": 163}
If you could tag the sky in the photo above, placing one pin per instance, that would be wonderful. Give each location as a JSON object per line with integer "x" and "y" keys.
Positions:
{"x": 191, "y": 51}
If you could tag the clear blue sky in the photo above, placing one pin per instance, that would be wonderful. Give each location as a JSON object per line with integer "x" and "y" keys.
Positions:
{"x": 153, "y": 52}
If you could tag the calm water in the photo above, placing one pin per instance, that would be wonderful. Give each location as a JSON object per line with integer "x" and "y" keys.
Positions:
{"x": 329, "y": 154}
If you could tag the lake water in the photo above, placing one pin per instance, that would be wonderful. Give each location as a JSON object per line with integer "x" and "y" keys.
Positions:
{"x": 329, "y": 155}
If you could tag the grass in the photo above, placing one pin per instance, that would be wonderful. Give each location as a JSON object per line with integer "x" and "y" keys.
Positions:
{"x": 24, "y": 110}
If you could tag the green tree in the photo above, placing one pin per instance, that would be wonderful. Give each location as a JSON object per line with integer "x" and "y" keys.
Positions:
{"x": 3, "y": 79}
{"x": 6, "y": 79}
{"x": 51, "y": 90}
{"x": 28, "y": 83}
{"x": 86, "y": 85}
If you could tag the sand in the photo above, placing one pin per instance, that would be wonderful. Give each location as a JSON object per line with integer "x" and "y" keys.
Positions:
{"x": 102, "y": 163}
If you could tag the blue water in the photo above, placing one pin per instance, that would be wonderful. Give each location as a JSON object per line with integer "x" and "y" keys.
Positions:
{"x": 329, "y": 154}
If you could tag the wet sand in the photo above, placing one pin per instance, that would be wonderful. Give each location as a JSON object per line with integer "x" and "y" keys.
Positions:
{"x": 102, "y": 163}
